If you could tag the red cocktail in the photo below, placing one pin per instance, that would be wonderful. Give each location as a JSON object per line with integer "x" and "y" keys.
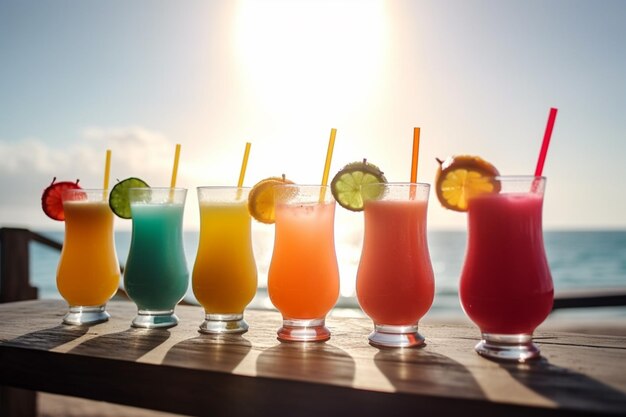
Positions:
{"x": 506, "y": 287}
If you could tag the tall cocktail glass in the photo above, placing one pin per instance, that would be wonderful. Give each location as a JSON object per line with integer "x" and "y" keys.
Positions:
{"x": 303, "y": 279}
{"x": 156, "y": 276}
{"x": 506, "y": 286}
{"x": 224, "y": 275}
{"x": 395, "y": 283}
{"x": 88, "y": 274}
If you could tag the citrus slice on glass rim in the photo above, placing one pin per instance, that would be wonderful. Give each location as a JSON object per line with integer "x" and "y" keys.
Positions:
{"x": 261, "y": 199}
{"x": 119, "y": 200}
{"x": 347, "y": 184}
{"x": 460, "y": 177}
{"x": 51, "y": 201}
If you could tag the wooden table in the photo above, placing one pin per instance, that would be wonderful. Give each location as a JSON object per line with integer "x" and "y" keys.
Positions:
{"x": 179, "y": 370}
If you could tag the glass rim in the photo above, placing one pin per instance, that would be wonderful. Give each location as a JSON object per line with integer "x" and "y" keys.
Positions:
{"x": 221, "y": 187}
{"x": 158, "y": 188}
{"x": 520, "y": 178}
{"x": 302, "y": 185}
{"x": 399, "y": 183}
{"x": 86, "y": 190}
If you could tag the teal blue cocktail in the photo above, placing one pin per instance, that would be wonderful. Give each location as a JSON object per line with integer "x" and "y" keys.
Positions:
{"x": 156, "y": 275}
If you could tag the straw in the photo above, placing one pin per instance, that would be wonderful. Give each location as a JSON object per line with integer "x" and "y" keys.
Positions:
{"x": 414, "y": 160}
{"x": 546, "y": 142}
{"x": 175, "y": 169}
{"x": 329, "y": 157}
{"x": 107, "y": 170}
{"x": 174, "y": 172}
{"x": 244, "y": 165}
{"x": 416, "y": 151}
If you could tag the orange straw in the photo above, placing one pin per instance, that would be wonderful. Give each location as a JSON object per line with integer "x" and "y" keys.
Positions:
{"x": 329, "y": 157}
{"x": 414, "y": 161}
{"x": 244, "y": 165}
{"x": 416, "y": 151}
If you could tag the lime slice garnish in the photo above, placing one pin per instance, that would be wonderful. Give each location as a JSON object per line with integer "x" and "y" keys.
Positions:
{"x": 348, "y": 185}
{"x": 118, "y": 198}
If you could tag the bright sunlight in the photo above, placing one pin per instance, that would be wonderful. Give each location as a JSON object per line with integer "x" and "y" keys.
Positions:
{"x": 310, "y": 57}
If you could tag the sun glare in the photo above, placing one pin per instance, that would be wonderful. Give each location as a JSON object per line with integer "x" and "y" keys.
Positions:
{"x": 300, "y": 58}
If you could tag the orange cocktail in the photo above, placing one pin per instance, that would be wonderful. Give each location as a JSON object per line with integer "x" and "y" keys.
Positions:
{"x": 88, "y": 274}
{"x": 303, "y": 280}
{"x": 395, "y": 282}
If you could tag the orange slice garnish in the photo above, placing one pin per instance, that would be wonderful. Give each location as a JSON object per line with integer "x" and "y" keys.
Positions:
{"x": 460, "y": 177}
{"x": 261, "y": 199}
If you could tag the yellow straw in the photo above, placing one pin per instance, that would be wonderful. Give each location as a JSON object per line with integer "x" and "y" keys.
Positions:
{"x": 175, "y": 170}
{"x": 107, "y": 171}
{"x": 329, "y": 157}
{"x": 244, "y": 165}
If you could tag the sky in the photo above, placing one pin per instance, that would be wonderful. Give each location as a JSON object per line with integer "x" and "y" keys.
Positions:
{"x": 477, "y": 76}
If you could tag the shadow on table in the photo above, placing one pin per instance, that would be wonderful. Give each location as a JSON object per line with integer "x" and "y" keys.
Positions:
{"x": 410, "y": 369}
{"x": 131, "y": 344}
{"x": 49, "y": 338}
{"x": 567, "y": 387}
{"x": 216, "y": 352}
{"x": 307, "y": 361}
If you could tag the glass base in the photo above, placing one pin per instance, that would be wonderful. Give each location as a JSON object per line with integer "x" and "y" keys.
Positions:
{"x": 508, "y": 347}
{"x": 296, "y": 330}
{"x": 155, "y": 319}
{"x": 80, "y": 315}
{"x": 223, "y": 323}
{"x": 386, "y": 335}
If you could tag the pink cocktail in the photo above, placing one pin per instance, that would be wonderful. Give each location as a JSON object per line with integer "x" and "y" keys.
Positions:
{"x": 506, "y": 287}
{"x": 395, "y": 283}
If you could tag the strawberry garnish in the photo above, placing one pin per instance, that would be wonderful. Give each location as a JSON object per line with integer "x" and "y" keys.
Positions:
{"x": 51, "y": 199}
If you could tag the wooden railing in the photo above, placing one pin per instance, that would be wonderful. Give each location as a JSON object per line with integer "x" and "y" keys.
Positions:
{"x": 15, "y": 263}
{"x": 15, "y": 275}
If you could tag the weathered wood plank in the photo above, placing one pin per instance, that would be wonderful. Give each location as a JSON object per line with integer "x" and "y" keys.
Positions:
{"x": 180, "y": 370}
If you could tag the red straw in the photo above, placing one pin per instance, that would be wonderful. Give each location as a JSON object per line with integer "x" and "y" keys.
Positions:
{"x": 546, "y": 142}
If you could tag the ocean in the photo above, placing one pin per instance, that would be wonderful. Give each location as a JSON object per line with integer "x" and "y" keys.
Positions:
{"x": 578, "y": 260}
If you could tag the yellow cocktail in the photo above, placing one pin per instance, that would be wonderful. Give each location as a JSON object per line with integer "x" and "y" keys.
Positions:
{"x": 224, "y": 274}
{"x": 88, "y": 274}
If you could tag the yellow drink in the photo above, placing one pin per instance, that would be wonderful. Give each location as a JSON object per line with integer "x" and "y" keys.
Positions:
{"x": 224, "y": 275}
{"x": 88, "y": 273}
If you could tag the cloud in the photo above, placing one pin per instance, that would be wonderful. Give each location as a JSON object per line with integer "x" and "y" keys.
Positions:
{"x": 30, "y": 164}
{"x": 135, "y": 149}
